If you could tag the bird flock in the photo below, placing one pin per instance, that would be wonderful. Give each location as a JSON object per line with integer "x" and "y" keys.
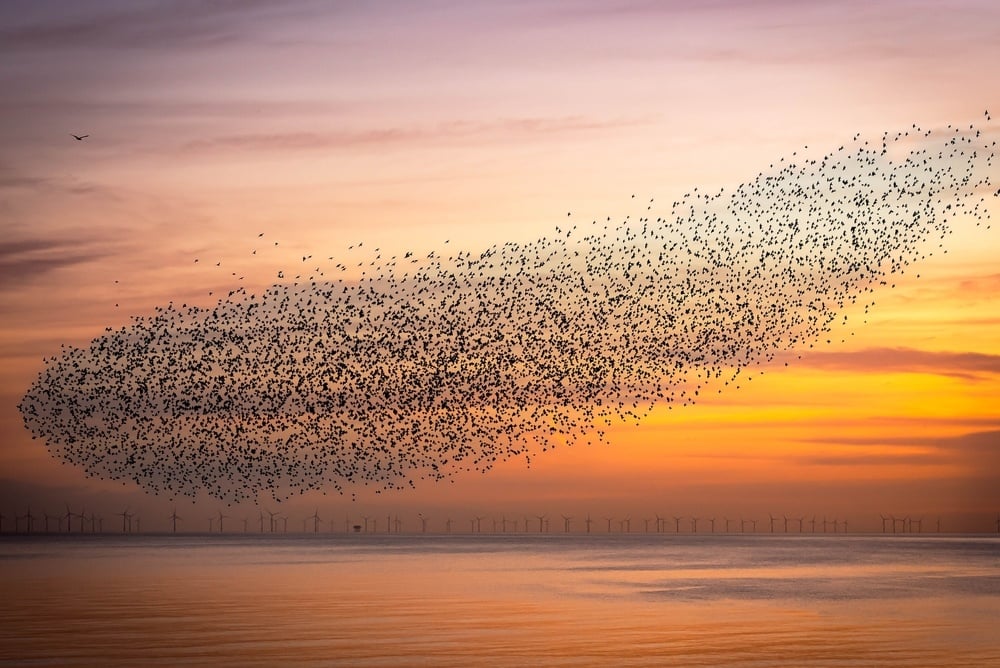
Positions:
{"x": 431, "y": 365}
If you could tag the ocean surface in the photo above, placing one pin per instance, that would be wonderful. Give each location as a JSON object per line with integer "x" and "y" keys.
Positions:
{"x": 499, "y": 600}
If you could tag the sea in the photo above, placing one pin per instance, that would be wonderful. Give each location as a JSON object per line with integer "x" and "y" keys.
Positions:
{"x": 648, "y": 599}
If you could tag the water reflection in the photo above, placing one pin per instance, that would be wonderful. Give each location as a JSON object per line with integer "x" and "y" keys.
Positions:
{"x": 463, "y": 601}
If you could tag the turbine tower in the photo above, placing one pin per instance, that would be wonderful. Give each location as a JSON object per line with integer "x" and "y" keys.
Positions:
{"x": 69, "y": 519}
{"x": 173, "y": 518}
{"x": 126, "y": 522}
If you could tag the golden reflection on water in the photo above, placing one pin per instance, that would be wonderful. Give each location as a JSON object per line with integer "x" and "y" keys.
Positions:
{"x": 331, "y": 604}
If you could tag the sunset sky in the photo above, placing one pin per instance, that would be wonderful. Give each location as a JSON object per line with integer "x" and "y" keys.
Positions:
{"x": 406, "y": 125}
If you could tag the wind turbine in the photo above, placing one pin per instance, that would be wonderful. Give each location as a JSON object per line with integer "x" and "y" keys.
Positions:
{"x": 727, "y": 523}
{"x": 211, "y": 523}
{"x": 222, "y": 517}
{"x": 29, "y": 517}
{"x": 566, "y": 521}
{"x": 541, "y": 522}
{"x": 884, "y": 520}
{"x": 659, "y": 523}
{"x": 271, "y": 516}
{"x": 316, "y": 520}
{"x": 173, "y": 518}
{"x": 694, "y": 525}
{"x": 812, "y": 524}
{"x": 785, "y": 517}
{"x": 398, "y": 524}
{"x": 588, "y": 522}
{"x": 771, "y": 518}
{"x": 69, "y": 519}
{"x": 611, "y": 518}
{"x": 447, "y": 525}
{"x": 125, "y": 518}
{"x": 754, "y": 523}
{"x": 677, "y": 524}
{"x": 645, "y": 524}
{"x": 712, "y": 522}
{"x": 423, "y": 523}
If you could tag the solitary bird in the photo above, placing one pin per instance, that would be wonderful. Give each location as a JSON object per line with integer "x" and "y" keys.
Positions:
{"x": 78, "y": 137}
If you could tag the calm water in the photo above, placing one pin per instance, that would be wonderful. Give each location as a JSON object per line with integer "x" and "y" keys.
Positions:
{"x": 547, "y": 600}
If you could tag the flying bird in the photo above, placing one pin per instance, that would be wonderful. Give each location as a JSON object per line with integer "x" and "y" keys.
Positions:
{"x": 78, "y": 137}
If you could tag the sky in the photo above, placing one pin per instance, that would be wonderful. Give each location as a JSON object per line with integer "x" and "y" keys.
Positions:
{"x": 406, "y": 126}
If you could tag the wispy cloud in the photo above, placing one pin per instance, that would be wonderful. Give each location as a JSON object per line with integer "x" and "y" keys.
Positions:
{"x": 463, "y": 131}
{"x": 978, "y": 451}
{"x": 25, "y": 259}
{"x": 130, "y": 25}
{"x": 969, "y": 365}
